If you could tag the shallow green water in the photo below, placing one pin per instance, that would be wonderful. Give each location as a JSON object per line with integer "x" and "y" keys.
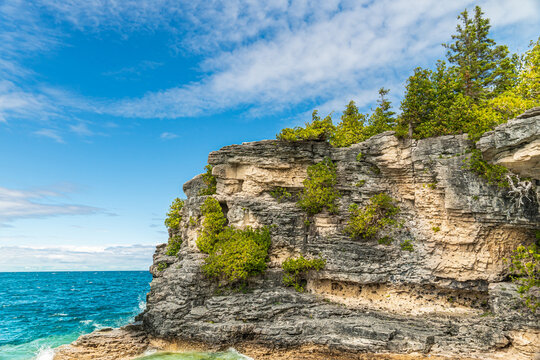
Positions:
{"x": 229, "y": 355}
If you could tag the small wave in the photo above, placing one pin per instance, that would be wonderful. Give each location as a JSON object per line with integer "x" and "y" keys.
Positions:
{"x": 142, "y": 305}
{"x": 242, "y": 356}
{"x": 59, "y": 314}
{"x": 86, "y": 322}
{"x": 45, "y": 353}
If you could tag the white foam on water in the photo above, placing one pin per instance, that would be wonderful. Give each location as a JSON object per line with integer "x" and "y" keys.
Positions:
{"x": 233, "y": 350}
{"x": 45, "y": 353}
{"x": 142, "y": 305}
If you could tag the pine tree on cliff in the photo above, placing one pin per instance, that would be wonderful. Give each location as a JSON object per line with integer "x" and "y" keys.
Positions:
{"x": 382, "y": 119}
{"x": 484, "y": 67}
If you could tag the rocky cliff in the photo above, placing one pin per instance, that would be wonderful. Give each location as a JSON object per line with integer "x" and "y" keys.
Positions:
{"x": 449, "y": 296}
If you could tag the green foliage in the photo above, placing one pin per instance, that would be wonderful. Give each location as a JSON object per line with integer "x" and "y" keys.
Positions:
{"x": 356, "y": 127}
{"x": 382, "y": 119}
{"x": 359, "y": 157}
{"x": 482, "y": 87}
{"x": 493, "y": 174}
{"x": 406, "y": 245}
{"x": 484, "y": 68}
{"x": 234, "y": 254}
{"x": 351, "y": 128}
{"x": 319, "y": 130}
{"x": 209, "y": 181}
{"x": 174, "y": 216}
{"x": 435, "y": 229}
{"x": 214, "y": 222}
{"x": 525, "y": 266}
{"x": 360, "y": 183}
{"x": 238, "y": 254}
{"x": 385, "y": 240}
{"x": 162, "y": 266}
{"x": 319, "y": 188}
{"x": 174, "y": 245}
{"x": 366, "y": 222}
{"x": 280, "y": 194}
{"x": 296, "y": 268}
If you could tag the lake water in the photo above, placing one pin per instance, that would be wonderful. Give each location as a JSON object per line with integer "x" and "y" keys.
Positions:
{"x": 43, "y": 310}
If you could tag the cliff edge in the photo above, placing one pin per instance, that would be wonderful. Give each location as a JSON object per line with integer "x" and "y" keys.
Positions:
{"x": 447, "y": 294}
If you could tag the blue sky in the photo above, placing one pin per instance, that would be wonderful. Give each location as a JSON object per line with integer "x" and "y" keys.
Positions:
{"x": 108, "y": 107}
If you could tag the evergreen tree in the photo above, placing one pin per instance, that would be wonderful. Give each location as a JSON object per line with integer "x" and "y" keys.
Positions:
{"x": 484, "y": 67}
{"x": 382, "y": 119}
{"x": 351, "y": 128}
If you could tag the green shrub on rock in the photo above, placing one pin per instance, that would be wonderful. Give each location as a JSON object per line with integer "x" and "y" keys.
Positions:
{"x": 213, "y": 223}
{"x": 366, "y": 222}
{"x": 319, "y": 188}
{"x": 493, "y": 174}
{"x": 296, "y": 268}
{"x": 238, "y": 254}
{"x": 174, "y": 245}
{"x": 234, "y": 255}
{"x": 280, "y": 194}
{"x": 174, "y": 216}
{"x": 319, "y": 130}
{"x": 525, "y": 266}
{"x": 210, "y": 182}
{"x": 162, "y": 266}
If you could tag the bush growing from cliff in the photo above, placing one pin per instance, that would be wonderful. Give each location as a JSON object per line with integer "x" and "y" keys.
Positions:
{"x": 209, "y": 181}
{"x": 175, "y": 242}
{"x": 174, "y": 216}
{"x": 296, "y": 268}
{"x": 493, "y": 174}
{"x": 214, "y": 222}
{"x": 366, "y": 222}
{"x": 525, "y": 266}
{"x": 234, "y": 255}
{"x": 318, "y": 130}
{"x": 238, "y": 254}
{"x": 354, "y": 127}
{"x": 280, "y": 194}
{"x": 319, "y": 188}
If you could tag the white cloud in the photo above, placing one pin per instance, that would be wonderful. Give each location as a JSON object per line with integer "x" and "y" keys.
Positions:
{"x": 80, "y": 258}
{"x": 22, "y": 204}
{"x": 364, "y": 46}
{"x": 81, "y": 129}
{"x": 168, "y": 136}
{"x": 264, "y": 56}
{"x": 51, "y": 134}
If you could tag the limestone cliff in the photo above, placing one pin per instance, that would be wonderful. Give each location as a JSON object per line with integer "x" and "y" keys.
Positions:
{"x": 447, "y": 297}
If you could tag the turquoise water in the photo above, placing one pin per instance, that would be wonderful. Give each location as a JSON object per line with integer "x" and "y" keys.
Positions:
{"x": 43, "y": 310}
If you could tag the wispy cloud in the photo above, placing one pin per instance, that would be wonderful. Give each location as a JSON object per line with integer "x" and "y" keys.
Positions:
{"x": 51, "y": 134}
{"x": 22, "y": 204}
{"x": 317, "y": 57}
{"x": 265, "y": 57}
{"x": 58, "y": 258}
{"x": 168, "y": 136}
{"x": 81, "y": 129}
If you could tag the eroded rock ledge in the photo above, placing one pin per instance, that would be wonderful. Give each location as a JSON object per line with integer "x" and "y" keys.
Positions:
{"x": 449, "y": 297}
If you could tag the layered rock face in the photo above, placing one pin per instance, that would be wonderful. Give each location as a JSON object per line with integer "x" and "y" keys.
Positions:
{"x": 515, "y": 144}
{"x": 446, "y": 297}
